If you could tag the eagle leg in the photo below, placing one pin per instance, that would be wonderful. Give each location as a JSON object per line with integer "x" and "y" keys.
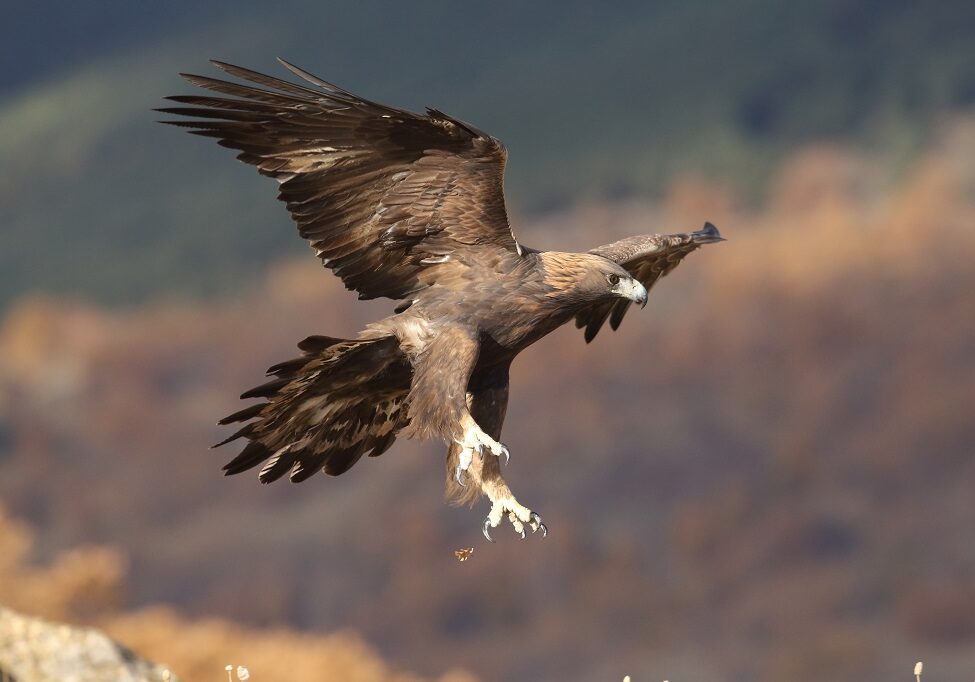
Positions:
{"x": 474, "y": 441}
{"x": 469, "y": 460}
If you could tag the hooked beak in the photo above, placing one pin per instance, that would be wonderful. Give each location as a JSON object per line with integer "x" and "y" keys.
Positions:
{"x": 634, "y": 291}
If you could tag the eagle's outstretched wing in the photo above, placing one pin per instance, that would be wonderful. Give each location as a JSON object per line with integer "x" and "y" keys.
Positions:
{"x": 389, "y": 199}
{"x": 647, "y": 258}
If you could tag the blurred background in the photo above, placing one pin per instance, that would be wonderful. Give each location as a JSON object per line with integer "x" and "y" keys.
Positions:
{"x": 767, "y": 475}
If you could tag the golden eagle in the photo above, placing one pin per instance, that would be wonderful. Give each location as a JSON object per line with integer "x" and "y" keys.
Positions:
{"x": 408, "y": 207}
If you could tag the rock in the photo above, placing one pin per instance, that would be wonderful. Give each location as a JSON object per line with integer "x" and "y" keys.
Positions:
{"x": 35, "y": 650}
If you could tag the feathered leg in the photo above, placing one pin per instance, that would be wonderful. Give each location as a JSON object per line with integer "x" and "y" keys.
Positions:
{"x": 438, "y": 399}
{"x": 483, "y": 473}
{"x": 449, "y": 399}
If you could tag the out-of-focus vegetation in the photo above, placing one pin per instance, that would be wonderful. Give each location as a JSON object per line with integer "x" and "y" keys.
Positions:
{"x": 595, "y": 101}
{"x": 765, "y": 475}
{"x": 87, "y": 584}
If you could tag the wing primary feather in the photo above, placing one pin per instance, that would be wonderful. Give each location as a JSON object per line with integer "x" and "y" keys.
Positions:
{"x": 619, "y": 310}
{"x": 269, "y": 81}
{"x": 198, "y": 112}
{"x": 311, "y": 78}
{"x": 317, "y": 343}
{"x": 289, "y": 367}
{"x": 595, "y": 322}
{"x": 244, "y": 431}
{"x": 238, "y": 90}
{"x": 242, "y": 415}
{"x": 221, "y": 102}
{"x": 266, "y": 390}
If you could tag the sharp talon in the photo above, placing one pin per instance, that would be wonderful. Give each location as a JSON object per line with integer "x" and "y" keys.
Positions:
{"x": 457, "y": 472}
{"x": 485, "y": 529}
{"x": 507, "y": 454}
{"x": 522, "y": 533}
{"x": 538, "y": 525}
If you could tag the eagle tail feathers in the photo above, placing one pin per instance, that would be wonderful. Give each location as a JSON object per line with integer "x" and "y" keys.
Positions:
{"x": 340, "y": 400}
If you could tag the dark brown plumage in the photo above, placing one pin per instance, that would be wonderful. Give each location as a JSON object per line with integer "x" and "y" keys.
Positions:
{"x": 409, "y": 207}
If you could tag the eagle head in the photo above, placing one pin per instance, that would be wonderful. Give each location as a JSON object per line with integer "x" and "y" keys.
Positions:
{"x": 582, "y": 278}
{"x": 628, "y": 287}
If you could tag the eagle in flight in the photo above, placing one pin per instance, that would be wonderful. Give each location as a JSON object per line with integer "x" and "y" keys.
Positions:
{"x": 409, "y": 207}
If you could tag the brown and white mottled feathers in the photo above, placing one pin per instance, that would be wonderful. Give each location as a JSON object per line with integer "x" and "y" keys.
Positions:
{"x": 391, "y": 201}
{"x": 324, "y": 410}
{"x": 410, "y": 207}
{"x": 647, "y": 258}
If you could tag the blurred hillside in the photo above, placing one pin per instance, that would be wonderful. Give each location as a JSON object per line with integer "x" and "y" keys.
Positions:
{"x": 86, "y": 585}
{"x": 765, "y": 476}
{"x": 595, "y": 102}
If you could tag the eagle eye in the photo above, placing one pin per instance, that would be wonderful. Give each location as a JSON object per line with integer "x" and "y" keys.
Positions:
{"x": 614, "y": 279}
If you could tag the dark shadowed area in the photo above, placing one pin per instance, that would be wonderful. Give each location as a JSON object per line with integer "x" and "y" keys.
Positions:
{"x": 766, "y": 474}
